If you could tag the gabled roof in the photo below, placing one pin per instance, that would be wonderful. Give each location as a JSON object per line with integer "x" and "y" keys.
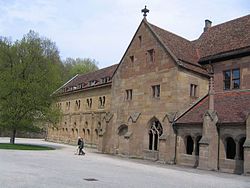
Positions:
{"x": 84, "y": 81}
{"x": 231, "y": 107}
{"x": 229, "y": 36}
{"x": 182, "y": 48}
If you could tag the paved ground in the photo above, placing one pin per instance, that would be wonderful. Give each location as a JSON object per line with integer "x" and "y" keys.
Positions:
{"x": 62, "y": 169}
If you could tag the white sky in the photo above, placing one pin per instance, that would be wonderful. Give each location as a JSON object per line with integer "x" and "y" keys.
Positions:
{"x": 102, "y": 29}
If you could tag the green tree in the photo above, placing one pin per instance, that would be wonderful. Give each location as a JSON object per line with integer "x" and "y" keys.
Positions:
{"x": 30, "y": 72}
{"x": 79, "y": 66}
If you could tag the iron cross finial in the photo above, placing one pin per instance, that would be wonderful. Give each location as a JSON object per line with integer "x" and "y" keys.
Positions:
{"x": 145, "y": 11}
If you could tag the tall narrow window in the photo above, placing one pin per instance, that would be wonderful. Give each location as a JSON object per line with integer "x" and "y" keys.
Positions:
{"x": 129, "y": 94}
{"x": 156, "y": 90}
{"x": 132, "y": 58}
{"x": 151, "y": 54}
{"x": 193, "y": 90}
{"x": 67, "y": 105}
{"x": 140, "y": 40}
{"x": 101, "y": 101}
{"x": 78, "y": 104}
{"x": 89, "y": 103}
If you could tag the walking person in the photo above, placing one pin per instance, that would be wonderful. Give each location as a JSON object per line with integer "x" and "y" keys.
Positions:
{"x": 81, "y": 146}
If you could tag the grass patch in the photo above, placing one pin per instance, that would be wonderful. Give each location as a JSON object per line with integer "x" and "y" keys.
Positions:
{"x": 23, "y": 147}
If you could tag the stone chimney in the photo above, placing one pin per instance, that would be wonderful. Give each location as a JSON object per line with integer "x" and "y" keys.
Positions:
{"x": 208, "y": 24}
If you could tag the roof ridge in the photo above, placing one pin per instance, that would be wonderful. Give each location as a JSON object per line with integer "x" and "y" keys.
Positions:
{"x": 229, "y": 21}
{"x": 89, "y": 73}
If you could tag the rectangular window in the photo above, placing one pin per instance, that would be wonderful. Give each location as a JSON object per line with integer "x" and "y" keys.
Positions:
{"x": 193, "y": 90}
{"x": 231, "y": 79}
{"x": 129, "y": 94}
{"x": 151, "y": 54}
{"x": 156, "y": 90}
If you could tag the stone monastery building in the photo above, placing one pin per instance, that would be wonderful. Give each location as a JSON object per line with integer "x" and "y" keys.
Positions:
{"x": 169, "y": 99}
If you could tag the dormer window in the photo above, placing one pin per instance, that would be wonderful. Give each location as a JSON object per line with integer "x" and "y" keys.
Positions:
{"x": 92, "y": 82}
{"x": 105, "y": 79}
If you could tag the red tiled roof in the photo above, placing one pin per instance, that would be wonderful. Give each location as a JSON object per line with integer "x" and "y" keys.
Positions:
{"x": 182, "y": 48}
{"x": 82, "y": 81}
{"x": 231, "y": 107}
{"x": 225, "y": 37}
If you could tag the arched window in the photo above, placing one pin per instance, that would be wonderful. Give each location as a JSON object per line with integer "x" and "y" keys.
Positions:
{"x": 155, "y": 132}
{"x": 230, "y": 148}
{"x": 197, "y": 149}
{"x": 122, "y": 130}
{"x": 88, "y": 131}
{"x": 189, "y": 145}
{"x": 241, "y": 148}
{"x": 83, "y": 130}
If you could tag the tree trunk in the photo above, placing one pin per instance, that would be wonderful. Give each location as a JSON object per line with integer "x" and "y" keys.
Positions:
{"x": 13, "y": 136}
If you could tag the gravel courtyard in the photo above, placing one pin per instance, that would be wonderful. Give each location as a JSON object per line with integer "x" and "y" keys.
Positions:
{"x": 60, "y": 168}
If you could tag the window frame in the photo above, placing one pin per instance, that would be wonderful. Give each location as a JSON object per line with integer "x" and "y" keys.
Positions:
{"x": 156, "y": 91}
{"x": 129, "y": 94}
{"x": 151, "y": 55}
{"x": 193, "y": 90}
{"x": 229, "y": 83}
